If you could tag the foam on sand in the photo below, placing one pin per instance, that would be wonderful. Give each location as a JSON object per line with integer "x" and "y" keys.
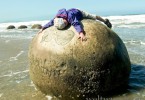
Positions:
{"x": 1, "y": 94}
{"x": 15, "y": 58}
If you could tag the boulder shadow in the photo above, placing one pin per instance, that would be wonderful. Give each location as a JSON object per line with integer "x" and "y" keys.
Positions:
{"x": 136, "y": 82}
{"x": 137, "y": 78}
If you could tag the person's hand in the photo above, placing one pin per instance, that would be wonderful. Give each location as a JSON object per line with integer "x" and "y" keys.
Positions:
{"x": 40, "y": 31}
{"x": 82, "y": 36}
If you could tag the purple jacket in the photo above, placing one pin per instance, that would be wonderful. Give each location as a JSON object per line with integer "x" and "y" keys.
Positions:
{"x": 73, "y": 16}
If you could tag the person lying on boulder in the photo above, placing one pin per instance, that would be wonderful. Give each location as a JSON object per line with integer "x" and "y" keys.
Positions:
{"x": 73, "y": 16}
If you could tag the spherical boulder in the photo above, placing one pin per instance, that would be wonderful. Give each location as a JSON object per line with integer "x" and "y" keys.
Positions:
{"x": 63, "y": 66}
{"x": 36, "y": 26}
{"x": 22, "y": 27}
{"x": 11, "y": 27}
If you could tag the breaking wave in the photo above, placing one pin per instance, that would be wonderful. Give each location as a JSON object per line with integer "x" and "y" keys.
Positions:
{"x": 128, "y": 21}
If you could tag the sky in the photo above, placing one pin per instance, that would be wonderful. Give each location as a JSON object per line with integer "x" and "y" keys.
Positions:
{"x": 18, "y": 10}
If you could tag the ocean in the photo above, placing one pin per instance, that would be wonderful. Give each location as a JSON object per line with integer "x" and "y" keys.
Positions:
{"x": 15, "y": 83}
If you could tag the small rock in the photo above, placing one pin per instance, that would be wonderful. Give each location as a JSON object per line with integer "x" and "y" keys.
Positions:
{"x": 22, "y": 27}
{"x": 11, "y": 27}
{"x": 36, "y": 26}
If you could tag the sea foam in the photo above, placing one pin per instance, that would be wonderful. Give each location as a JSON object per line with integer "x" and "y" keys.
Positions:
{"x": 15, "y": 58}
{"x": 1, "y": 94}
{"x": 128, "y": 21}
{"x": 3, "y": 26}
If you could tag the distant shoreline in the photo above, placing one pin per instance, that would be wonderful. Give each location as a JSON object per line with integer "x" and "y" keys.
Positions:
{"x": 42, "y": 18}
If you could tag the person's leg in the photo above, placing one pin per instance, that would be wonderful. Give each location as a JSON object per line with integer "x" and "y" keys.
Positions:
{"x": 94, "y": 17}
{"x": 87, "y": 15}
{"x": 100, "y": 19}
{"x": 106, "y": 21}
{"x": 91, "y": 16}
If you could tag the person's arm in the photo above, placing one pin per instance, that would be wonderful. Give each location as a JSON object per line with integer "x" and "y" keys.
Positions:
{"x": 77, "y": 25}
{"x": 49, "y": 24}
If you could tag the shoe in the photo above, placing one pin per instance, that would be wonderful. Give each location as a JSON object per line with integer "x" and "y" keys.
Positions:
{"x": 107, "y": 22}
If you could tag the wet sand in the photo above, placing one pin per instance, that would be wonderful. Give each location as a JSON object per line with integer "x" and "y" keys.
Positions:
{"x": 15, "y": 83}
